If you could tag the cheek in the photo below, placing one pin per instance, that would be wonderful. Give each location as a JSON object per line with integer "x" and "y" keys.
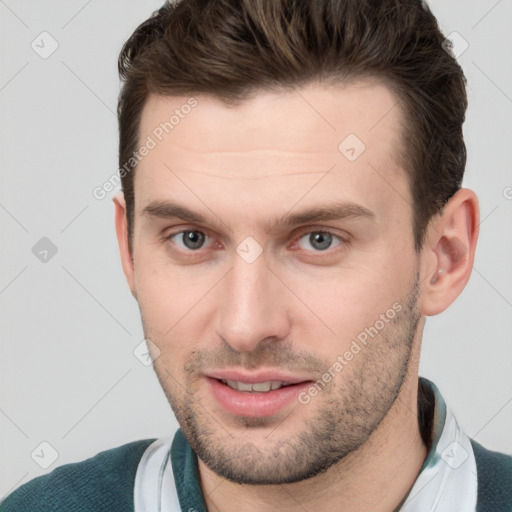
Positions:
{"x": 172, "y": 304}
{"x": 349, "y": 301}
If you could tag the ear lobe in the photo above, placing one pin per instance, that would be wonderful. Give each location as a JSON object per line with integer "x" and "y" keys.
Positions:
{"x": 450, "y": 249}
{"x": 121, "y": 223}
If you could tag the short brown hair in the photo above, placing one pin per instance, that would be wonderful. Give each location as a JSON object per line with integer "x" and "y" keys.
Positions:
{"x": 234, "y": 48}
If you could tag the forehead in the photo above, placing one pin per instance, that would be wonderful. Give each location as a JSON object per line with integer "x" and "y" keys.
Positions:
{"x": 272, "y": 143}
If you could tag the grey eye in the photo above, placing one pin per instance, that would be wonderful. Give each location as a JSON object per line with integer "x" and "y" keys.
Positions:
{"x": 318, "y": 240}
{"x": 191, "y": 239}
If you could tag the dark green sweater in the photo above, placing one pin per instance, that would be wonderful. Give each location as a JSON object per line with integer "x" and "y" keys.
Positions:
{"x": 104, "y": 483}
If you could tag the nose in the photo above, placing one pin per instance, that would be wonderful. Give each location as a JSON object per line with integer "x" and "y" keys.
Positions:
{"x": 252, "y": 305}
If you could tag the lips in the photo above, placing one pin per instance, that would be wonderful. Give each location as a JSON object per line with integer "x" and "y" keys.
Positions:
{"x": 260, "y": 394}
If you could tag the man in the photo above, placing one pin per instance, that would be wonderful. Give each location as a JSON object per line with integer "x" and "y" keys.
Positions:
{"x": 291, "y": 213}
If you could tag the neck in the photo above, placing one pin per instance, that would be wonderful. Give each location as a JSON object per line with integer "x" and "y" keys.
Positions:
{"x": 377, "y": 476}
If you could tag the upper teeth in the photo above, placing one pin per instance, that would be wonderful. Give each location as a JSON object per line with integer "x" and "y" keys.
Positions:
{"x": 261, "y": 387}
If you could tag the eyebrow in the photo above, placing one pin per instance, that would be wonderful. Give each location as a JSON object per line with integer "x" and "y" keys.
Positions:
{"x": 333, "y": 211}
{"x": 328, "y": 212}
{"x": 169, "y": 210}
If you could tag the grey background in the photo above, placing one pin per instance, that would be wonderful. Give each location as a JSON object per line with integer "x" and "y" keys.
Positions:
{"x": 70, "y": 325}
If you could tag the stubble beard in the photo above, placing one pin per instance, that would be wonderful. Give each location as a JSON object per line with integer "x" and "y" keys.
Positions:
{"x": 347, "y": 412}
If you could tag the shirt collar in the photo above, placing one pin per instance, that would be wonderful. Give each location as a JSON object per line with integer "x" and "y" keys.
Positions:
{"x": 447, "y": 479}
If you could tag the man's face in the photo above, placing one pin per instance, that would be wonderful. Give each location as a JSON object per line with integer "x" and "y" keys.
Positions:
{"x": 262, "y": 288}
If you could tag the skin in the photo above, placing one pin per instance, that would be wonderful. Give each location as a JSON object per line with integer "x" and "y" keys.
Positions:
{"x": 356, "y": 445}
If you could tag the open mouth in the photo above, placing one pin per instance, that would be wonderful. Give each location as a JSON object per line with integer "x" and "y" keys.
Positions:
{"x": 255, "y": 399}
{"x": 257, "y": 387}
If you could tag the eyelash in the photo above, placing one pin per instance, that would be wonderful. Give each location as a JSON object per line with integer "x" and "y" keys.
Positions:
{"x": 343, "y": 241}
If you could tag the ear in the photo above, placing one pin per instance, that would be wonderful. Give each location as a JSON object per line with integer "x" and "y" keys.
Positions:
{"x": 122, "y": 239}
{"x": 449, "y": 251}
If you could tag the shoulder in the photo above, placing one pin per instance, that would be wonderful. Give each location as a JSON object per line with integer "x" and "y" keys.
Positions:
{"x": 494, "y": 470}
{"x": 102, "y": 483}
